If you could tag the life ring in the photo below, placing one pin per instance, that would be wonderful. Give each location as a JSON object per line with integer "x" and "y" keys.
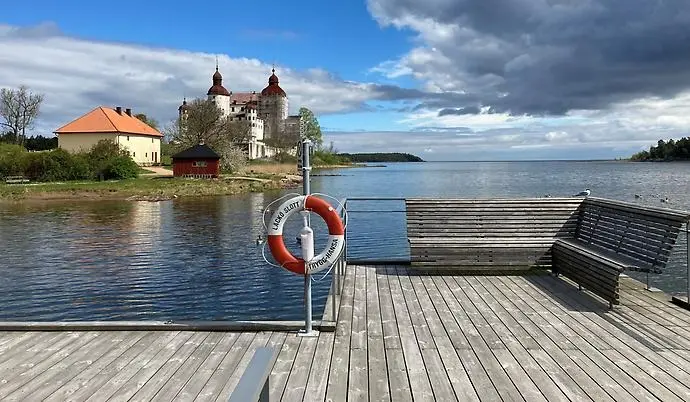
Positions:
{"x": 336, "y": 235}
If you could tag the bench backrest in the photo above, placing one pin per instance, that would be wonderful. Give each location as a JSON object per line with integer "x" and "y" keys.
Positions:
{"x": 645, "y": 234}
{"x": 493, "y": 234}
{"x": 481, "y": 218}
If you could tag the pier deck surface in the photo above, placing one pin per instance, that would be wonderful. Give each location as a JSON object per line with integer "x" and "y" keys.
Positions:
{"x": 400, "y": 337}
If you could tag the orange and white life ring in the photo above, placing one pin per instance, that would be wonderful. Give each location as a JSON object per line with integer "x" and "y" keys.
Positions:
{"x": 336, "y": 235}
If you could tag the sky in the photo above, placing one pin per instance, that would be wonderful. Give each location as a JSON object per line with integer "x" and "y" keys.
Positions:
{"x": 442, "y": 79}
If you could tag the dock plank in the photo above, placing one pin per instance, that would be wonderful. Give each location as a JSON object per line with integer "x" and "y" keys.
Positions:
{"x": 204, "y": 372}
{"x": 318, "y": 376}
{"x": 400, "y": 336}
{"x": 391, "y": 338}
{"x": 190, "y": 366}
{"x": 148, "y": 381}
{"x": 299, "y": 374}
{"x": 84, "y": 377}
{"x": 419, "y": 378}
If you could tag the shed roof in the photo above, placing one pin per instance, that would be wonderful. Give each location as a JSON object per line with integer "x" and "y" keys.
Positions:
{"x": 200, "y": 151}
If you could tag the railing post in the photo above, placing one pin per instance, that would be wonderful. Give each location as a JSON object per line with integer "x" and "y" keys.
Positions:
{"x": 687, "y": 258}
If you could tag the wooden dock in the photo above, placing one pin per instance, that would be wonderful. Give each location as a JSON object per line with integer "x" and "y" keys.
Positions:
{"x": 400, "y": 337}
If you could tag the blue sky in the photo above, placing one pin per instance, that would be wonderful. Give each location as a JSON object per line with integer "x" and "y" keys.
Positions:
{"x": 340, "y": 37}
{"x": 445, "y": 80}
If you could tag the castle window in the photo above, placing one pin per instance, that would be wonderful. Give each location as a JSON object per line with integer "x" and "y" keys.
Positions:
{"x": 127, "y": 138}
{"x": 233, "y": 109}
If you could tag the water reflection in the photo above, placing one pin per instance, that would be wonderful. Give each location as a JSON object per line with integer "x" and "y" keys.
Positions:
{"x": 197, "y": 259}
{"x": 192, "y": 259}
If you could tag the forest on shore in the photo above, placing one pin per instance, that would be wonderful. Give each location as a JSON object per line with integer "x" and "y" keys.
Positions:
{"x": 666, "y": 151}
{"x": 381, "y": 157}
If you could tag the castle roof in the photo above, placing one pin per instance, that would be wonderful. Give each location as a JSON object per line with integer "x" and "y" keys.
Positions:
{"x": 106, "y": 120}
{"x": 243, "y": 97}
{"x": 217, "y": 88}
{"x": 184, "y": 106}
{"x": 273, "y": 88}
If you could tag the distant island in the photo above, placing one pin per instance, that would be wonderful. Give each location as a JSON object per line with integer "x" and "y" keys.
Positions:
{"x": 382, "y": 157}
{"x": 666, "y": 151}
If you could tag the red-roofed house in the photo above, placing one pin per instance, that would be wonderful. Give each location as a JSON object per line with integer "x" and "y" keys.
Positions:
{"x": 102, "y": 123}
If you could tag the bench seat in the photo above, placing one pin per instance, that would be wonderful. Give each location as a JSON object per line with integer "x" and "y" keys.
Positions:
{"x": 591, "y": 240}
{"x": 595, "y": 269}
{"x": 613, "y": 237}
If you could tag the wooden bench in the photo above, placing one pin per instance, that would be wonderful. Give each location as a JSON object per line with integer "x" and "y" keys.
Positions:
{"x": 613, "y": 237}
{"x": 488, "y": 234}
{"x": 16, "y": 180}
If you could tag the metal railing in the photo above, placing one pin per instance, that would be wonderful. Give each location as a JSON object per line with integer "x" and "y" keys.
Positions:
{"x": 339, "y": 270}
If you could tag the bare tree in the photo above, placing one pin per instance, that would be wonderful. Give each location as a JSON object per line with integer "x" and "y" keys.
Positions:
{"x": 204, "y": 122}
{"x": 19, "y": 108}
{"x": 285, "y": 142}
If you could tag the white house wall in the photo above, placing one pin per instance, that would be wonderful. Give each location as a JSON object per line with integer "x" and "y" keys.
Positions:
{"x": 144, "y": 150}
{"x": 83, "y": 142}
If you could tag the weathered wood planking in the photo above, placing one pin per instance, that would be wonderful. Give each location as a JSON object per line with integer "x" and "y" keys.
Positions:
{"x": 421, "y": 337}
{"x": 613, "y": 237}
{"x": 481, "y": 234}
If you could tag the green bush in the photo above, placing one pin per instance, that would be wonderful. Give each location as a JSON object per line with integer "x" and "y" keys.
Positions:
{"x": 120, "y": 167}
{"x": 12, "y": 159}
{"x": 324, "y": 157}
{"x": 105, "y": 160}
{"x": 56, "y": 165}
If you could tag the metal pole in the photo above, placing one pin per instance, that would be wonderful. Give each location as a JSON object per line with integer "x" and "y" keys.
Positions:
{"x": 306, "y": 169}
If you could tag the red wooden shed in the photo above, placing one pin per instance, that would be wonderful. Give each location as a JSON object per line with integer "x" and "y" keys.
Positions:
{"x": 199, "y": 161}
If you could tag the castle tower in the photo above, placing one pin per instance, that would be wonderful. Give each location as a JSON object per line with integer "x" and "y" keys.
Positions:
{"x": 273, "y": 107}
{"x": 183, "y": 110}
{"x": 218, "y": 93}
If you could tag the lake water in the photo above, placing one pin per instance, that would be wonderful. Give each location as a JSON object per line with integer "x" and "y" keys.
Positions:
{"x": 198, "y": 259}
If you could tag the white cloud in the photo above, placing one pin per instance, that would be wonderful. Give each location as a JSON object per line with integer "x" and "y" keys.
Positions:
{"x": 77, "y": 75}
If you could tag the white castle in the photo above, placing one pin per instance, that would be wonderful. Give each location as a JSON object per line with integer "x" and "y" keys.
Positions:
{"x": 267, "y": 111}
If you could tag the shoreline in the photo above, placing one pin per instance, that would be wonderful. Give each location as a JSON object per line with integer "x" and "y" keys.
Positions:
{"x": 161, "y": 187}
{"x": 144, "y": 188}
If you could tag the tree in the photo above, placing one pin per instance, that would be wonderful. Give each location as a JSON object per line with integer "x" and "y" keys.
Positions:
{"x": 19, "y": 108}
{"x": 204, "y": 122}
{"x": 151, "y": 122}
{"x": 41, "y": 143}
{"x": 285, "y": 143}
{"x": 312, "y": 129}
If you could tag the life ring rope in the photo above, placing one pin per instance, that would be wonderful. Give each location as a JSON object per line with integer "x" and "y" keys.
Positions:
{"x": 336, "y": 234}
{"x": 337, "y": 201}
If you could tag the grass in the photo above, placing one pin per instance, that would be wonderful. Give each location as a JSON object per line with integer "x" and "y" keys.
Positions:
{"x": 145, "y": 171}
{"x": 143, "y": 188}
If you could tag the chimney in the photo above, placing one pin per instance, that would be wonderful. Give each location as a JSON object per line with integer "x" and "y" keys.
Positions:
{"x": 118, "y": 110}
{"x": 128, "y": 111}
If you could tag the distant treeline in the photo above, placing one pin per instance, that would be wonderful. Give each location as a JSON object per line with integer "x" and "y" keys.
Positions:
{"x": 382, "y": 157}
{"x": 666, "y": 151}
{"x": 35, "y": 143}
